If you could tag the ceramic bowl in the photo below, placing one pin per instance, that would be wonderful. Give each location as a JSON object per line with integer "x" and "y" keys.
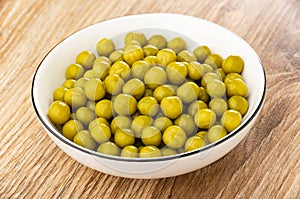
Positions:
{"x": 50, "y": 75}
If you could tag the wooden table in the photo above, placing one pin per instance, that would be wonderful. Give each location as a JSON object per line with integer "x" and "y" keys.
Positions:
{"x": 266, "y": 164}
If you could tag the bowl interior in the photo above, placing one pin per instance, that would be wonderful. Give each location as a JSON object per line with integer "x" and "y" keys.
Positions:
{"x": 195, "y": 31}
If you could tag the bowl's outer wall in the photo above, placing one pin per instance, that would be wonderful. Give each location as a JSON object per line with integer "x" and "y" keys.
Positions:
{"x": 156, "y": 169}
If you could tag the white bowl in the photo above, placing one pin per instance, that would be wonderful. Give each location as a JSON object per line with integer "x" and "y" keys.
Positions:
{"x": 50, "y": 75}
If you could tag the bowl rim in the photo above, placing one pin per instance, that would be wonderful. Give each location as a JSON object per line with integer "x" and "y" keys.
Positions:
{"x": 164, "y": 158}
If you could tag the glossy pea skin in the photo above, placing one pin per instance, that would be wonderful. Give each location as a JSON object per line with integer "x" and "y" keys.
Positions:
{"x": 102, "y": 59}
{"x": 176, "y": 72}
{"x": 231, "y": 76}
{"x": 81, "y": 82}
{"x": 233, "y": 64}
{"x": 216, "y": 133}
{"x": 239, "y": 104}
{"x": 195, "y": 106}
{"x": 125, "y": 104}
{"x": 163, "y": 91}
{"x": 171, "y": 106}
{"x": 220, "y": 72}
{"x": 203, "y": 95}
{"x": 166, "y": 151}
{"x": 59, "y": 112}
{"x": 130, "y": 151}
{"x": 205, "y": 118}
{"x": 155, "y": 77}
{"x": 90, "y": 74}
{"x": 74, "y": 71}
{"x": 148, "y": 106}
{"x": 162, "y": 123}
{"x": 174, "y": 137}
{"x": 136, "y": 36}
{"x": 98, "y": 121}
{"x": 186, "y": 56}
{"x": 177, "y": 44}
{"x": 116, "y": 55}
{"x": 186, "y": 122}
{"x": 101, "y": 133}
{"x": 188, "y": 92}
{"x": 59, "y": 93}
{"x": 132, "y": 43}
{"x": 140, "y": 123}
{"x": 69, "y": 83}
{"x": 196, "y": 70}
{"x": 101, "y": 69}
{"x": 166, "y": 56}
{"x": 85, "y": 59}
{"x": 94, "y": 89}
{"x": 109, "y": 148}
{"x": 103, "y": 109}
{"x": 150, "y": 50}
{"x": 158, "y": 40}
{"x": 134, "y": 87}
{"x": 215, "y": 88}
{"x": 84, "y": 139}
{"x": 133, "y": 53}
{"x": 201, "y": 134}
{"x": 194, "y": 142}
{"x": 236, "y": 87}
{"x": 75, "y": 97}
{"x": 124, "y": 137}
{"x": 218, "y": 106}
{"x": 120, "y": 122}
{"x": 208, "y": 77}
{"x": 71, "y": 128}
{"x": 150, "y": 152}
{"x": 139, "y": 68}
{"x": 120, "y": 68}
{"x": 113, "y": 84}
{"x": 85, "y": 115}
{"x": 214, "y": 60}
{"x": 151, "y": 60}
{"x": 151, "y": 136}
{"x": 105, "y": 46}
{"x": 202, "y": 53}
{"x": 231, "y": 119}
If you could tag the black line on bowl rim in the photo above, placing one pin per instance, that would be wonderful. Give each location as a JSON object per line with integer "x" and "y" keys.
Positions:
{"x": 165, "y": 158}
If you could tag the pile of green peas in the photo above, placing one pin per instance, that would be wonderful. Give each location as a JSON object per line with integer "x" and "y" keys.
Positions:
{"x": 152, "y": 98}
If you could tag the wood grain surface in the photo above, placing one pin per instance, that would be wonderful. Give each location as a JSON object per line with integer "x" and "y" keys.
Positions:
{"x": 266, "y": 164}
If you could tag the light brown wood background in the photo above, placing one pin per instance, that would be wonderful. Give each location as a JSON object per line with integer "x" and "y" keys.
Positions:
{"x": 266, "y": 164}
